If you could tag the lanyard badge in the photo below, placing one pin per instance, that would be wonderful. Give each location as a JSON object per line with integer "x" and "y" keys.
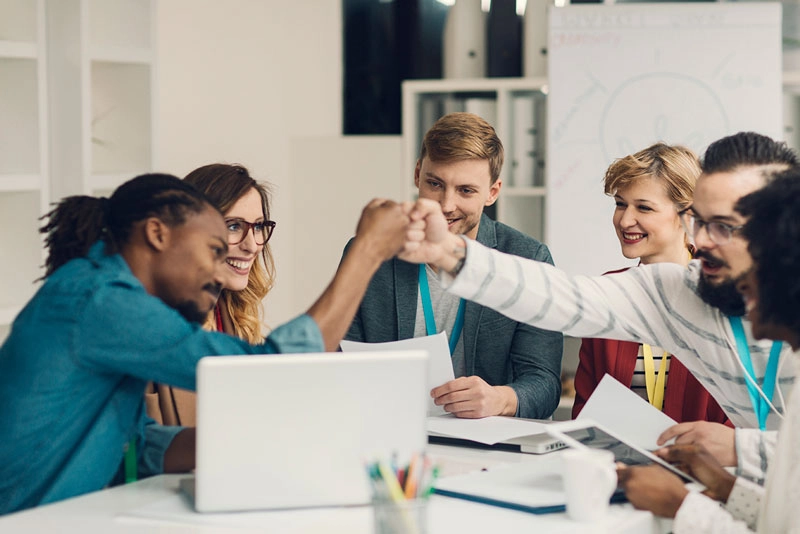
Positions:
{"x": 655, "y": 386}
{"x": 427, "y": 309}
{"x": 760, "y": 405}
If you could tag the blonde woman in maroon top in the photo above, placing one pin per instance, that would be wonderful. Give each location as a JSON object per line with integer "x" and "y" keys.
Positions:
{"x": 649, "y": 188}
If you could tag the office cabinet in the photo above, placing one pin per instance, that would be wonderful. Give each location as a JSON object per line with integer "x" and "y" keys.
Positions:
{"x": 24, "y": 179}
{"x": 76, "y": 117}
{"x": 102, "y": 68}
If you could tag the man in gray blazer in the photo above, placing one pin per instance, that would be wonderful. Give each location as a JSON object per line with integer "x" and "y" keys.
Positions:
{"x": 502, "y": 367}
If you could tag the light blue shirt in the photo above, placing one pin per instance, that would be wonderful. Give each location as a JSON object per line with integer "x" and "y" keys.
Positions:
{"x": 73, "y": 372}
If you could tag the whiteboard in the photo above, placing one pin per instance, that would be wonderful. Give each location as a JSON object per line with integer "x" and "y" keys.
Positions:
{"x": 623, "y": 77}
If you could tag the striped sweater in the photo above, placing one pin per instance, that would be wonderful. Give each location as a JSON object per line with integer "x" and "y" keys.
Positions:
{"x": 656, "y": 304}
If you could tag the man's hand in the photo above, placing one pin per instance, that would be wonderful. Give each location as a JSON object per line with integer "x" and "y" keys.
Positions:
{"x": 697, "y": 461}
{"x": 653, "y": 488}
{"x": 717, "y": 438}
{"x": 383, "y": 228}
{"x": 471, "y": 397}
{"x": 428, "y": 239}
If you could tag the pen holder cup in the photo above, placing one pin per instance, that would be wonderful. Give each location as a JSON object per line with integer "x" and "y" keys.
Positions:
{"x": 408, "y": 516}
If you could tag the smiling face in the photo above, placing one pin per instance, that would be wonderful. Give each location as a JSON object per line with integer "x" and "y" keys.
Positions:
{"x": 647, "y": 223}
{"x": 188, "y": 271}
{"x": 463, "y": 188}
{"x": 242, "y": 256}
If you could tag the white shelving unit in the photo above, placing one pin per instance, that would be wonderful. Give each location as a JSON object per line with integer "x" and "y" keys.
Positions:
{"x": 516, "y": 109}
{"x": 24, "y": 180}
{"x": 76, "y": 117}
{"x": 102, "y": 62}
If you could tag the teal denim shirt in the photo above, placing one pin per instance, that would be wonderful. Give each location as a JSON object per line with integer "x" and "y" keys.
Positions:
{"x": 73, "y": 372}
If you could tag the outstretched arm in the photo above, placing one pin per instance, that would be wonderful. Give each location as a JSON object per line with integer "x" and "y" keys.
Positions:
{"x": 621, "y": 306}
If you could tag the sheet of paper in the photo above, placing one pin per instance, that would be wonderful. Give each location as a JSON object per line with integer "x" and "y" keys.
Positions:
{"x": 440, "y": 366}
{"x": 489, "y": 430}
{"x": 625, "y": 413}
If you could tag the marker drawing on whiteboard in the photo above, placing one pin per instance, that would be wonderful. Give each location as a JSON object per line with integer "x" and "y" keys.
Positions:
{"x": 668, "y": 106}
{"x": 565, "y": 176}
{"x": 561, "y": 128}
{"x": 722, "y": 64}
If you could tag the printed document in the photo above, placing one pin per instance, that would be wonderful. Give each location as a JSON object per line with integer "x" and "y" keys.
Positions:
{"x": 626, "y": 414}
{"x": 440, "y": 366}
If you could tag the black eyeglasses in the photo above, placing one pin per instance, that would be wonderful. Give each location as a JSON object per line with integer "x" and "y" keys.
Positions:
{"x": 718, "y": 232}
{"x": 238, "y": 229}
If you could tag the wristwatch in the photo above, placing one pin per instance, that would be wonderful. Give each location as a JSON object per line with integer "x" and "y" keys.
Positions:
{"x": 460, "y": 263}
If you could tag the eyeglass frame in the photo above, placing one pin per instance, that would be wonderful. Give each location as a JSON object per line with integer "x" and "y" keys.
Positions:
{"x": 728, "y": 229}
{"x": 248, "y": 226}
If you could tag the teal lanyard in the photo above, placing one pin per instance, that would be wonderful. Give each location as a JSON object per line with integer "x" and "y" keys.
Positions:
{"x": 760, "y": 406}
{"x": 427, "y": 309}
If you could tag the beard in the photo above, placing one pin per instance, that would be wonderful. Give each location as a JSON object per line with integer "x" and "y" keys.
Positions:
{"x": 467, "y": 223}
{"x": 192, "y": 312}
{"x": 722, "y": 296}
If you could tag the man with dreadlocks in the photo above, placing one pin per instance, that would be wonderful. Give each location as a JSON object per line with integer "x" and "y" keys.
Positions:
{"x": 128, "y": 280}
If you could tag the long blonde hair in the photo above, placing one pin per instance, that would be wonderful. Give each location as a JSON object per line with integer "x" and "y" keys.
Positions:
{"x": 224, "y": 185}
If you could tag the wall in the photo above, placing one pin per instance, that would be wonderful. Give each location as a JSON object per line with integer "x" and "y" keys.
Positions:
{"x": 237, "y": 80}
{"x": 343, "y": 175}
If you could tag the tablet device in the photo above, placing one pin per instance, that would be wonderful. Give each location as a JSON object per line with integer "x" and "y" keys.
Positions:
{"x": 595, "y": 436}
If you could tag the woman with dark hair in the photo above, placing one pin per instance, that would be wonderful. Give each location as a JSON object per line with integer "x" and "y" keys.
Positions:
{"x": 248, "y": 275}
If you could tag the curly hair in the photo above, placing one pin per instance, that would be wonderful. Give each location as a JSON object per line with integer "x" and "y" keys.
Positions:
{"x": 773, "y": 235}
{"x": 224, "y": 185}
{"x": 77, "y": 222}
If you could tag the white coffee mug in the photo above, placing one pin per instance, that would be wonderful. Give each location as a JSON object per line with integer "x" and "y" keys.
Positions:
{"x": 590, "y": 478}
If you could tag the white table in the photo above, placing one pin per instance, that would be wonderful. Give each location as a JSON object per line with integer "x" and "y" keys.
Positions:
{"x": 155, "y": 505}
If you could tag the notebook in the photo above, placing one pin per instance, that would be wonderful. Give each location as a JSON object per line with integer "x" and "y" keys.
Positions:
{"x": 535, "y": 487}
{"x": 291, "y": 431}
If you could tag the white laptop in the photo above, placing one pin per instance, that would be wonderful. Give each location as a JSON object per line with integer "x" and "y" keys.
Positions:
{"x": 290, "y": 431}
